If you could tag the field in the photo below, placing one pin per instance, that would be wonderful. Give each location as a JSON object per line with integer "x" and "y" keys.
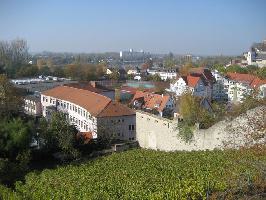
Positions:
{"x": 146, "y": 174}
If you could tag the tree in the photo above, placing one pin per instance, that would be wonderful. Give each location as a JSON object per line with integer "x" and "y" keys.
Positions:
{"x": 13, "y": 54}
{"x": 237, "y": 69}
{"x": 15, "y": 137}
{"x": 184, "y": 70}
{"x": 155, "y": 77}
{"x": 115, "y": 75}
{"x": 262, "y": 72}
{"x": 192, "y": 111}
{"x": 10, "y": 100}
{"x": 59, "y": 134}
{"x": 27, "y": 71}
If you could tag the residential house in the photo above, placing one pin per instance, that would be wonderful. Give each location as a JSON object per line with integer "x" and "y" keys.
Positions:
{"x": 162, "y": 105}
{"x": 194, "y": 84}
{"x": 219, "y": 89}
{"x": 90, "y": 112}
{"x": 239, "y": 85}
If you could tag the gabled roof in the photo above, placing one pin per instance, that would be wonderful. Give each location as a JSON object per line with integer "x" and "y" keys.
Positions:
{"x": 152, "y": 101}
{"x": 90, "y": 87}
{"x": 115, "y": 109}
{"x": 249, "y": 79}
{"x": 192, "y": 81}
{"x": 257, "y": 82}
{"x": 204, "y": 72}
{"x": 92, "y": 102}
{"x": 97, "y": 105}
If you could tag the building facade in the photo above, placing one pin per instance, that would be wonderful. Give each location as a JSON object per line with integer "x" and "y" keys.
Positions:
{"x": 32, "y": 105}
{"x": 90, "y": 112}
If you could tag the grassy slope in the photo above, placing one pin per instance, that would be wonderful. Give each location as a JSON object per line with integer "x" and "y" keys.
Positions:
{"x": 146, "y": 174}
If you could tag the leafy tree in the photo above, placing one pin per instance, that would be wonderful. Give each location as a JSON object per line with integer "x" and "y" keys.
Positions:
{"x": 15, "y": 137}
{"x": 262, "y": 72}
{"x": 184, "y": 70}
{"x": 45, "y": 70}
{"x": 59, "y": 134}
{"x": 10, "y": 100}
{"x": 155, "y": 77}
{"x": 237, "y": 69}
{"x": 220, "y": 68}
{"x": 27, "y": 71}
{"x": 115, "y": 75}
{"x": 13, "y": 54}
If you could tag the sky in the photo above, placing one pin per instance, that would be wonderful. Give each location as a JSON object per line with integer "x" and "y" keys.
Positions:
{"x": 200, "y": 27}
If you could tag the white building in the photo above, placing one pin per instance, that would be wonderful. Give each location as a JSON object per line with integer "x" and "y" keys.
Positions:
{"x": 257, "y": 54}
{"x": 32, "y": 105}
{"x": 239, "y": 85}
{"x": 164, "y": 74}
{"x": 220, "y": 87}
{"x": 132, "y": 56}
{"x": 194, "y": 84}
{"x": 90, "y": 112}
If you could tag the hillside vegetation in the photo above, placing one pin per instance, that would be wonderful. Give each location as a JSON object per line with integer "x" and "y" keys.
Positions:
{"x": 146, "y": 174}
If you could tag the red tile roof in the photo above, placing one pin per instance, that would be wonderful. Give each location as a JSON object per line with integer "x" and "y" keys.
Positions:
{"x": 115, "y": 109}
{"x": 97, "y": 105}
{"x": 192, "y": 81}
{"x": 92, "y": 102}
{"x": 257, "y": 82}
{"x": 152, "y": 101}
{"x": 252, "y": 80}
{"x": 127, "y": 89}
{"x": 204, "y": 72}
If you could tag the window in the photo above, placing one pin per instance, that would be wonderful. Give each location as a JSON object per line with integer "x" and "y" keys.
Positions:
{"x": 133, "y": 127}
{"x": 129, "y": 127}
{"x": 123, "y": 120}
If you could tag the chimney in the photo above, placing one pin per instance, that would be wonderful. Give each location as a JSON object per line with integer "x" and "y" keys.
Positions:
{"x": 93, "y": 84}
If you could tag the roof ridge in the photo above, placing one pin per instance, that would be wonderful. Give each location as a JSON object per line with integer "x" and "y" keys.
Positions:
{"x": 87, "y": 91}
{"x": 104, "y": 108}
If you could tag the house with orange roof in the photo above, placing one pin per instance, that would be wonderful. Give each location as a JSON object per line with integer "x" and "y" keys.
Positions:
{"x": 162, "y": 105}
{"x": 194, "y": 84}
{"x": 239, "y": 85}
{"x": 90, "y": 112}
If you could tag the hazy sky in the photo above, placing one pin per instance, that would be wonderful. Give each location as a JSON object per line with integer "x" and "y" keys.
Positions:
{"x": 204, "y": 27}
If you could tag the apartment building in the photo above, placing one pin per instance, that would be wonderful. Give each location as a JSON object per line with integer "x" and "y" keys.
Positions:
{"x": 90, "y": 112}
{"x": 238, "y": 85}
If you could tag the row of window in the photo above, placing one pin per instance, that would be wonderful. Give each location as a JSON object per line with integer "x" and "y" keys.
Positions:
{"x": 82, "y": 124}
{"x": 69, "y": 106}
